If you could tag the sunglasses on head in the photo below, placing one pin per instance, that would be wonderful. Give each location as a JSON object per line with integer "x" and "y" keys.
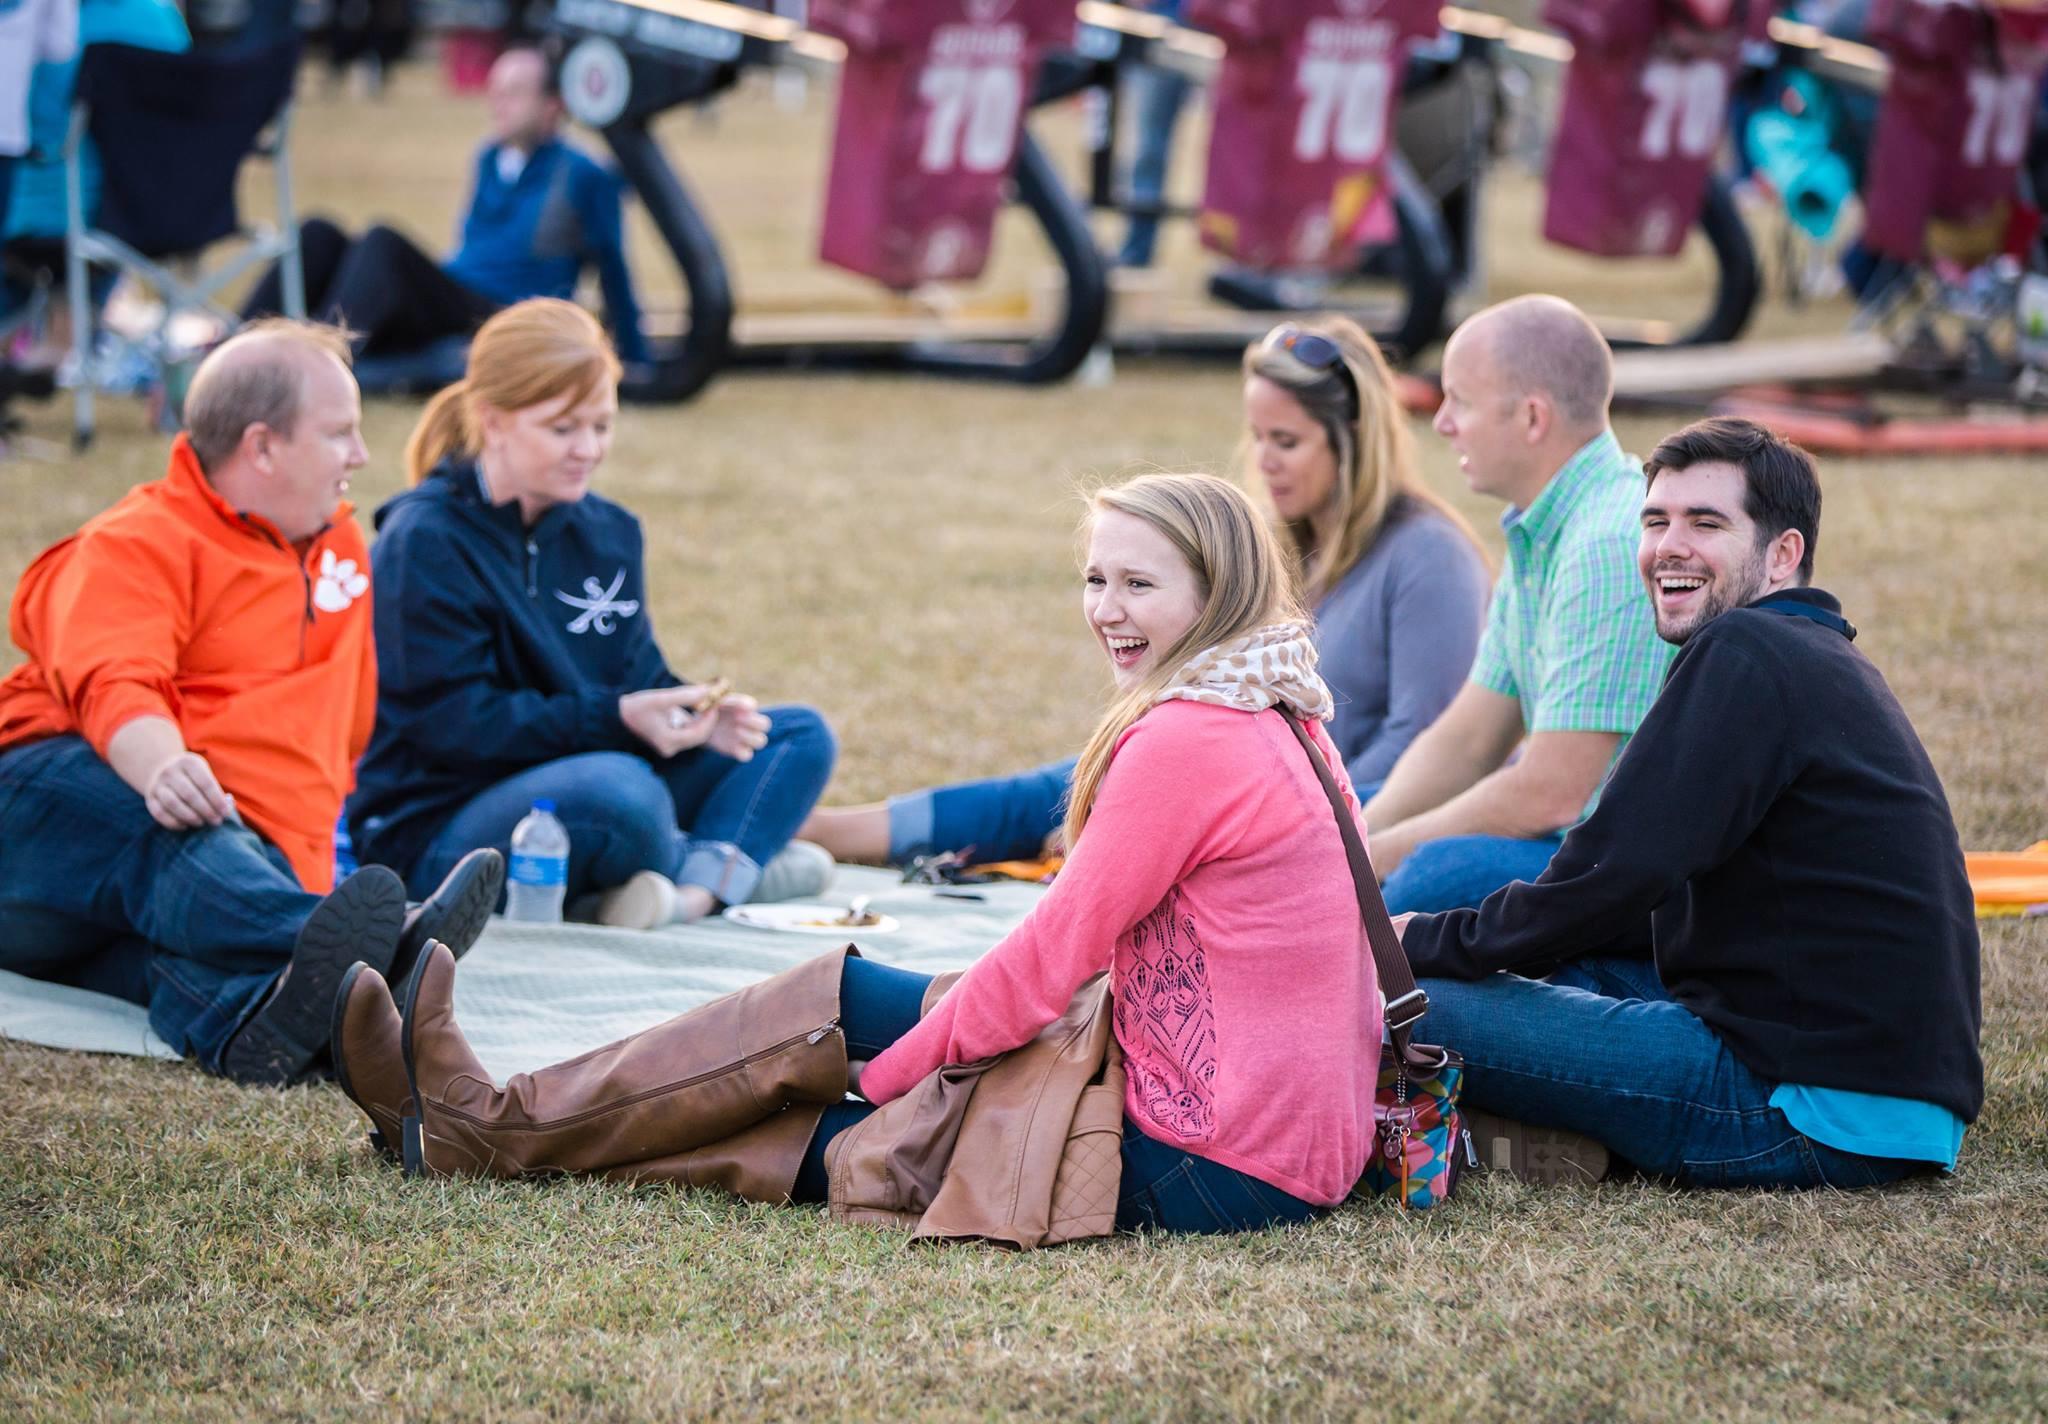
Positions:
{"x": 1315, "y": 351}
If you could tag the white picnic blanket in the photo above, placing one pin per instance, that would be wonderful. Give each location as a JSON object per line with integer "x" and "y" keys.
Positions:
{"x": 528, "y": 995}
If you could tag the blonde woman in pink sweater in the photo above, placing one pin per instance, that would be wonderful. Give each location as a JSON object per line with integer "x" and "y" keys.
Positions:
{"x": 1205, "y": 876}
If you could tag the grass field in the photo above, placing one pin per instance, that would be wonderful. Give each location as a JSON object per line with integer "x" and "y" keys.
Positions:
{"x": 896, "y": 552}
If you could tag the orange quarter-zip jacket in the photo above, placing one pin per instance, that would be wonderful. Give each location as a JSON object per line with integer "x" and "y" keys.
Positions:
{"x": 172, "y": 604}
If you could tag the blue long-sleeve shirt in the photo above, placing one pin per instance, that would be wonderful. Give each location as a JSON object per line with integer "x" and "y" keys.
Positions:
{"x": 533, "y": 235}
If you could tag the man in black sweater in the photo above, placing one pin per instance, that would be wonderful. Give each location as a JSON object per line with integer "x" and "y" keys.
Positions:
{"x": 1778, "y": 837}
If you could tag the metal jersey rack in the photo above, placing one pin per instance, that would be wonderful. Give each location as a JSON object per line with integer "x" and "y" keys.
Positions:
{"x": 633, "y": 60}
{"x": 1109, "y": 40}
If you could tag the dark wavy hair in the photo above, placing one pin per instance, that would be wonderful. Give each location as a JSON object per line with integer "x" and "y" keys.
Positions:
{"x": 1781, "y": 487}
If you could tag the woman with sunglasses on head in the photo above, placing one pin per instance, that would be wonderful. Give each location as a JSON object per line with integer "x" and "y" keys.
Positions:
{"x": 1394, "y": 575}
{"x": 1208, "y": 879}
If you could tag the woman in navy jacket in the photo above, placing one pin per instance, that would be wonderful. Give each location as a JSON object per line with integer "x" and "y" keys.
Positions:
{"x": 516, "y": 661}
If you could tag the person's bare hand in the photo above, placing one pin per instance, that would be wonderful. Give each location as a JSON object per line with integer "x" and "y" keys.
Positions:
{"x": 739, "y": 728}
{"x": 1401, "y": 924}
{"x": 1387, "y": 849}
{"x": 668, "y": 719}
{"x": 184, "y": 794}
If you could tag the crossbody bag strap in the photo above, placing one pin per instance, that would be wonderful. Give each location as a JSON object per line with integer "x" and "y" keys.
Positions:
{"x": 1405, "y": 1000}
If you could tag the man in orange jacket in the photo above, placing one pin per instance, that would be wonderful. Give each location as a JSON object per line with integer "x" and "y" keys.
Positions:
{"x": 174, "y": 752}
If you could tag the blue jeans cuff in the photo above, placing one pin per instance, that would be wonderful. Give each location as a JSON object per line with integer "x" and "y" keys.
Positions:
{"x": 911, "y": 819}
{"x": 728, "y": 872}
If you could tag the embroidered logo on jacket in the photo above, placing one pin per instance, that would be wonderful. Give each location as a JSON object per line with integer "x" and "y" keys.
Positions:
{"x": 1164, "y": 1003}
{"x": 601, "y": 606}
{"x": 340, "y": 583}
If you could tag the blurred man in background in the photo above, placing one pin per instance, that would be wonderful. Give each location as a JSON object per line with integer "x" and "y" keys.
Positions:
{"x": 539, "y": 213}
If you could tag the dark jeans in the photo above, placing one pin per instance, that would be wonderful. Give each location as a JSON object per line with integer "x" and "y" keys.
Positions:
{"x": 382, "y": 29}
{"x": 195, "y": 925}
{"x": 1601, "y": 1048}
{"x": 698, "y": 818}
{"x": 394, "y": 297}
{"x": 1164, "y": 1188}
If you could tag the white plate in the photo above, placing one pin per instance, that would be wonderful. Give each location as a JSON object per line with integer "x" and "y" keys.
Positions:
{"x": 791, "y": 919}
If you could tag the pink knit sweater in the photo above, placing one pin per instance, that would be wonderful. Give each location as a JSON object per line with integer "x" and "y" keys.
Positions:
{"x": 1212, "y": 884}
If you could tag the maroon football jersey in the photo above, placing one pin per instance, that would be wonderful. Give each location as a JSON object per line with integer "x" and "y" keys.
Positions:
{"x": 931, "y": 104}
{"x": 1956, "y": 118}
{"x": 1303, "y": 109}
{"x": 1645, "y": 109}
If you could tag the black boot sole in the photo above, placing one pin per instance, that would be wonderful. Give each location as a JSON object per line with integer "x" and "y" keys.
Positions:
{"x": 359, "y": 920}
{"x": 456, "y": 912}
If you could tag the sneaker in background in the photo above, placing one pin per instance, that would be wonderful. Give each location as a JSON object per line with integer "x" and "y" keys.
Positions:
{"x": 646, "y": 901}
{"x": 801, "y": 870}
{"x": 1544, "y": 1155}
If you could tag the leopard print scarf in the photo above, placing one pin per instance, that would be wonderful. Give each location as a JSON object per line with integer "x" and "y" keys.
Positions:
{"x": 1268, "y": 666}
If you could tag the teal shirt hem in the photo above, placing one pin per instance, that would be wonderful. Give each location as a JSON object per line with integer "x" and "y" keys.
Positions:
{"x": 1872, "y": 1125}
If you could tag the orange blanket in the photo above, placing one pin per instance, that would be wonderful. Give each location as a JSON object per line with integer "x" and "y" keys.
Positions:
{"x": 1038, "y": 872}
{"x": 2009, "y": 883}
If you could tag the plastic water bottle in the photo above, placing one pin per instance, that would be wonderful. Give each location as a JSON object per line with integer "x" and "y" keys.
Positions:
{"x": 538, "y": 877}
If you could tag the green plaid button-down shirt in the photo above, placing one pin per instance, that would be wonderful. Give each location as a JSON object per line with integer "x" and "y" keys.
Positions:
{"x": 1570, "y": 634}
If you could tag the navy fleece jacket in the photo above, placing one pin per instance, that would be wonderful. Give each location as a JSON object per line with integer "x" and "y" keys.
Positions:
{"x": 499, "y": 647}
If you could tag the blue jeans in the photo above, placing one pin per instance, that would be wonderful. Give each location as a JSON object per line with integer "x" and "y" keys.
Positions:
{"x": 194, "y": 925}
{"x": 1164, "y": 1188}
{"x": 1000, "y": 818}
{"x": 1602, "y": 1049}
{"x": 1458, "y": 872}
{"x": 699, "y": 818}
{"x": 1158, "y": 94}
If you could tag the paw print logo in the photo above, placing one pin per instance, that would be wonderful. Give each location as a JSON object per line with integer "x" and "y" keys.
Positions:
{"x": 340, "y": 583}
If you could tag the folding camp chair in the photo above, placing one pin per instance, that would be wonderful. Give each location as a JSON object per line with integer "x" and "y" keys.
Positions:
{"x": 172, "y": 131}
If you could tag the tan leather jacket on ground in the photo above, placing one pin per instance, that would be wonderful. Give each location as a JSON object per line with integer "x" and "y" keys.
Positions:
{"x": 1024, "y": 1149}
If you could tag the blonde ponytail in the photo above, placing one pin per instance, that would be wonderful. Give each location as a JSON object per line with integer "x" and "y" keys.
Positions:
{"x": 531, "y": 353}
{"x": 443, "y": 430}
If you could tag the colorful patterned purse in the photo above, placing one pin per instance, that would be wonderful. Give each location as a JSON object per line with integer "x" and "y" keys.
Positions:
{"x": 1419, "y": 1142}
{"x": 1422, "y": 1146}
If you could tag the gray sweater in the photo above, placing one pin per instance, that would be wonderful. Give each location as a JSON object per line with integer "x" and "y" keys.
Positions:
{"x": 1396, "y": 637}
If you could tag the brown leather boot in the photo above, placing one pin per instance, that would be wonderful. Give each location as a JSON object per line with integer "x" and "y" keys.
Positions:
{"x": 694, "y": 1080}
{"x": 369, "y": 1056}
{"x": 758, "y": 1163}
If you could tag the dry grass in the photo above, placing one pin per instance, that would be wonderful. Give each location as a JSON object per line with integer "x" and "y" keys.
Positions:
{"x": 176, "y": 1247}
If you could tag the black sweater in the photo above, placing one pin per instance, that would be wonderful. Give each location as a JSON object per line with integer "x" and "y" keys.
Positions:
{"x": 1778, "y": 824}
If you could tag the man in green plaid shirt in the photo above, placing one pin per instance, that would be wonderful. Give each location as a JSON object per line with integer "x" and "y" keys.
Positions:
{"x": 1570, "y": 660}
